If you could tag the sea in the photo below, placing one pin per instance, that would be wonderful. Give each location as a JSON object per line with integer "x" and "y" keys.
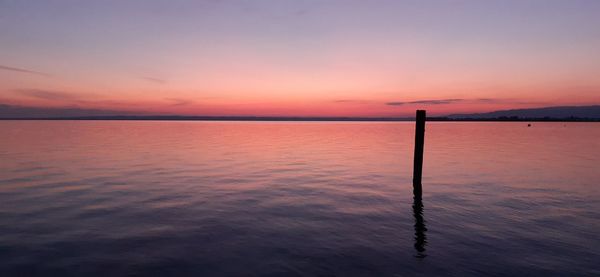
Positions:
{"x": 231, "y": 198}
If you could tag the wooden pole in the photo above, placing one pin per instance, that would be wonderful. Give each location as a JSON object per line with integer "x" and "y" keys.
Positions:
{"x": 419, "y": 142}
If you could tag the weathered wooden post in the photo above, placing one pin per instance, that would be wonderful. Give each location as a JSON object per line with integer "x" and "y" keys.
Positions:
{"x": 419, "y": 142}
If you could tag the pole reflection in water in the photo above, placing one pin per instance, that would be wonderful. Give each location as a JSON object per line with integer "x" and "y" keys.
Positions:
{"x": 420, "y": 229}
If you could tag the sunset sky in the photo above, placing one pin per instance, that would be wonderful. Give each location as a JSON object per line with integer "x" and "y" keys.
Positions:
{"x": 299, "y": 58}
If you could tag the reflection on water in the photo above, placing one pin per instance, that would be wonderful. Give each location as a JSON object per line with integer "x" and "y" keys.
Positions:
{"x": 120, "y": 198}
{"x": 420, "y": 229}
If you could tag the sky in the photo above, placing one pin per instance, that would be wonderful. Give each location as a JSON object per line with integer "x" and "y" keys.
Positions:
{"x": 299, "y": 57}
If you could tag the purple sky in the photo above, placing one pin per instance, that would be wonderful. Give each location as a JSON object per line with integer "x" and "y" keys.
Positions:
{"x": 283, "y": 57}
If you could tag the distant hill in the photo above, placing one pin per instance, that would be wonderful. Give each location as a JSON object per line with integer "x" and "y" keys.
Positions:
{"x": 562, "y": 113}
{"x": 572, "y": 113}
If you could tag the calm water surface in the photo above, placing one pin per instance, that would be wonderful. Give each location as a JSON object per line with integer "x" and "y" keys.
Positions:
{"x": 127, "y": 198}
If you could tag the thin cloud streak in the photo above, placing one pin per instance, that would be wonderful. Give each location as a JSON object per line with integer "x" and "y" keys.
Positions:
{"x": 46, "y": 94}
{"x": 468, "y": 101}
{"x": 437, "y": 101}
{"x": 426, "y": 102}
{"x": 21, "y": 70}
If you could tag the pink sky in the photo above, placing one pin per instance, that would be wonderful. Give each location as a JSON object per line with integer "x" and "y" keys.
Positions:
{"x": 299, "y": 59}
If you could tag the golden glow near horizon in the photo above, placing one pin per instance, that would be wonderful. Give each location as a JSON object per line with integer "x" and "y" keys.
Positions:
{"x": 299, "y": 58}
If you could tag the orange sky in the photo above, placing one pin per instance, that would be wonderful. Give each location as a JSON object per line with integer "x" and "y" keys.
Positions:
{"x": 299, "y": 59}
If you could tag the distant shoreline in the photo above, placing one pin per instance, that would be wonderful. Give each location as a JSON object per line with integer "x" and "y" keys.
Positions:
{"x": 308, "y": 119}
{"x": 544, "y": 114}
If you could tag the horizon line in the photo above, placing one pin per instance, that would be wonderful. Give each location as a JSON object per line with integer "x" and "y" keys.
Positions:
{"x": 301, "y": 118}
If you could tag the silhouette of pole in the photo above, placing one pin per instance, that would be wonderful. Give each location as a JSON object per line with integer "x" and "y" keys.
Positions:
{"x": 419, "y": 142}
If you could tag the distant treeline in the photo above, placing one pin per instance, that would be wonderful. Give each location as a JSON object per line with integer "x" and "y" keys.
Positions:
{"x": 517, "y": 118}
